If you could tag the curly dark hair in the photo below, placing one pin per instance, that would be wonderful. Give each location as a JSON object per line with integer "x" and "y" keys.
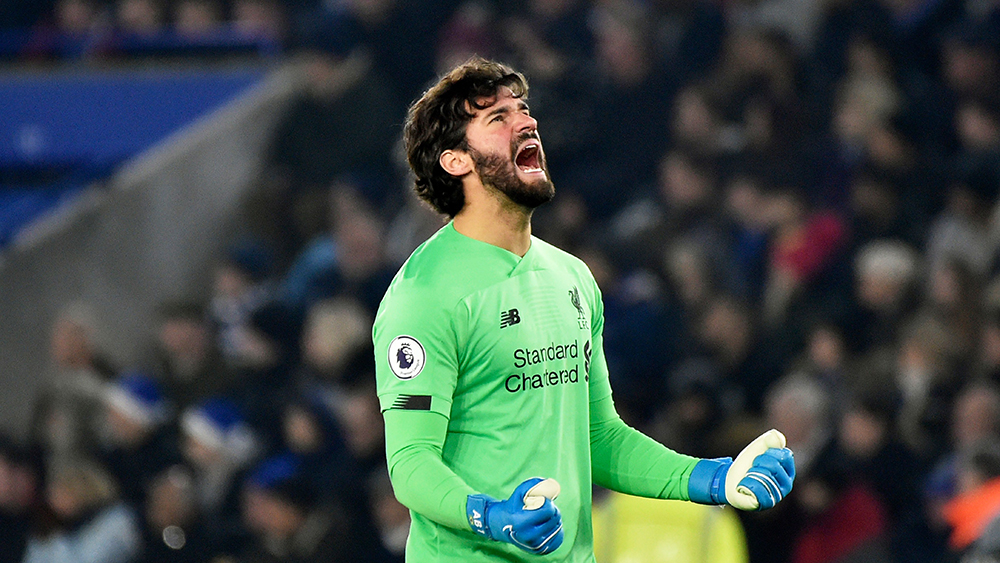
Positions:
{"x": 436, "y": 122}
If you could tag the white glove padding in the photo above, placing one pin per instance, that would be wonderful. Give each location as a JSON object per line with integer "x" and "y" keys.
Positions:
{"x": 765, "y": 476}
{"x": 535, "y": 497}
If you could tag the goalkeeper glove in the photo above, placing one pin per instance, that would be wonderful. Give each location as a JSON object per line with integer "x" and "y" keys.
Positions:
{"x": 528, "y": 519}
{"x": 760, "y": 477}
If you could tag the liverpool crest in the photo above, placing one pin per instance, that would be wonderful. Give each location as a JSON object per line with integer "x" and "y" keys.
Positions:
{"x": 574, "y": 297}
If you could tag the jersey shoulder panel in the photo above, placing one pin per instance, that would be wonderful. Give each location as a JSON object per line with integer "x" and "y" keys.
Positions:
{"x": 449, "y": 266}
{"x": 555, "y": 257}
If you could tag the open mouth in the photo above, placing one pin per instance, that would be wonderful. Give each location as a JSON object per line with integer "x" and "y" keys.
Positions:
{"x": 528, "y": 159}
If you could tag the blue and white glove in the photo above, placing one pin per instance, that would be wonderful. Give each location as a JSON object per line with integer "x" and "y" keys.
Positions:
{"x": 528, "y": 519}
{"x": 758, "y": 479}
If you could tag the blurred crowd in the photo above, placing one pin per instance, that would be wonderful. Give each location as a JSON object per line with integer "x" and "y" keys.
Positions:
{"x": 790, "y": 207}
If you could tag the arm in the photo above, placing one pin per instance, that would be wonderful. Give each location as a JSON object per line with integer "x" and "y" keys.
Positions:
{"x": 622, "y": 458}
{"x": 625, "y": 460}
{"x": 417, "y": 373}
{"x": 420, "y": 479}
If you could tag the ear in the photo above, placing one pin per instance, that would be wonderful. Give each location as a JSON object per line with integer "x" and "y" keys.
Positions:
{"x": 455, "y": 162}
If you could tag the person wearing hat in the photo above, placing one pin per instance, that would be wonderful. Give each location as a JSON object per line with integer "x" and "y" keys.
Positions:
{"x": 219, "y": 447}
{"x": 141, "y": 442}
{"x": 280, "y": 507}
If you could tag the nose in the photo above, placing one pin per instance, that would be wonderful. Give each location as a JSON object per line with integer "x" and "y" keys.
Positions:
{"x": 526, "y": 123}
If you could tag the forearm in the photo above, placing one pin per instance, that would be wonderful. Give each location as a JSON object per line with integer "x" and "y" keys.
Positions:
{"x": 625, "y": 460}
{"x": 421, "y": 480}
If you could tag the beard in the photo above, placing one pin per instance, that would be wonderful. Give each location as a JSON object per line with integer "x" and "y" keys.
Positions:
{"x": 500, "y": 173}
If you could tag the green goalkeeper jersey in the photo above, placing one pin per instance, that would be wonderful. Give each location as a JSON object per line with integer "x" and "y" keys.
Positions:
{"x": 490, "y": 370}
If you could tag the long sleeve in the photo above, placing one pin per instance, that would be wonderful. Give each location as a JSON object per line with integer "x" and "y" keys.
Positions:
{"x": 420, "y": 479}
{"x": 626, "y": 460}
{"x": 622, "y": 458}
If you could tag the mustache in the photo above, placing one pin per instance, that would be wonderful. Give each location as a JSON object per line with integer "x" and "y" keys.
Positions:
{"x": 522, "y": 137}
{"x": 516, "y": 141}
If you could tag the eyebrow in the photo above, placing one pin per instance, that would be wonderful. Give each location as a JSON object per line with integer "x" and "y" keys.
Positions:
{"x": 521, "y": 104}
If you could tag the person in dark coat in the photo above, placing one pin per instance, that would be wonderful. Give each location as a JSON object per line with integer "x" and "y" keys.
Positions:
{"x": 289, "y": 525}
{"x": 142, "y": 441}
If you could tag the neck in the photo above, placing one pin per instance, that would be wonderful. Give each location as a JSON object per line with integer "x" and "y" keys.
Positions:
{"x": 495, "y": 220}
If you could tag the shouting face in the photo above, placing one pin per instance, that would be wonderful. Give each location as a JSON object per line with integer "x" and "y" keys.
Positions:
{"x": 507, "y": 151}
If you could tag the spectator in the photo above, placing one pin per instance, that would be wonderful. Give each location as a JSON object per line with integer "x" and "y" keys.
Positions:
{"x": 341, "y": 125}
{"x": 886, "y": 275}
{"x": 827, "y": 360}
{"x": 962, "y": 231}
{"x": 845, "y": 519}
{"x": 67, "y": 411}
{"x": 970, "y": 64}
{"x": 263, "y": 19}
{"x": 220, "y": 448}
{"x": 879, "y": 208}
{"x": 926, "y": 379}
{"x": 362, "y": 422}
{"x": 313, "y": 434}
{"x": 978, "y": 499}
{"x": 241, "y": 288}
{"x": 800, "y": 406}
{"x": 174, "y": 531}
{"x": 360, "y": 236}
{"x": 692, "y": 420}
{"x": 196, "y": 19}
{"x": 280, "y": 507}
{"x": 627, "y": 98}
{"x": 70, "y": 32}
{"x": 20, "y": 498}
{"x": 697, "y": 122}
{"x": 470, "y": 31}
{"x": 688, "y": 37}
{"x": 727, "y": 332}
{"x": 142, "y": 441}
{"x": 975, "y": 418}
{"x": 92, "y": 524}
{"x": 336, "y": 333}
{"x": 186, "y": 355}
{"x": 679, "y": 207}
{"x": 953, "y": 296}
{"x": 139, "y": 17}
{"x": 876, "y": 458}
{"x": 804, "y": 245}
{"x": 747, "y": 223}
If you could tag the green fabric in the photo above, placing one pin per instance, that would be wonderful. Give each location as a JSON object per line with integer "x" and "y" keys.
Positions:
{"x": 420, "y": 478}
{"x": 490, "y": 370}
{"x": 627, "y": 461}
{"x": 624, "y": 459}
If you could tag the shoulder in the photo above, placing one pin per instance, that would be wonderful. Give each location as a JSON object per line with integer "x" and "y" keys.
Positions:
{"x": 434, "y": 279}
{"x": 555, "y": 257}
{"x": 554, "y": 254}
{"x": 432, "y": 276}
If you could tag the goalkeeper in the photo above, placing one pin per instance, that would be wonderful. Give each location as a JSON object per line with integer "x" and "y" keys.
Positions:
{"x": 490, "y": 363}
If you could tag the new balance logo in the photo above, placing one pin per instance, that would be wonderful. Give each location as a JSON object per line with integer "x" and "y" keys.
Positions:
{"x": 412, "y": 403}
{"x": 508, "y": 318}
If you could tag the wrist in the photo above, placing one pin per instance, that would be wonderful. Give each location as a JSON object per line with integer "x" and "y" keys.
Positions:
{"x": 707, "y": 482}
{"x": 475, "y": 510}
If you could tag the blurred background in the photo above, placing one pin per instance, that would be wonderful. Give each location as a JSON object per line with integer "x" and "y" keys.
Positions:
{"x": 790, "y": 206}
